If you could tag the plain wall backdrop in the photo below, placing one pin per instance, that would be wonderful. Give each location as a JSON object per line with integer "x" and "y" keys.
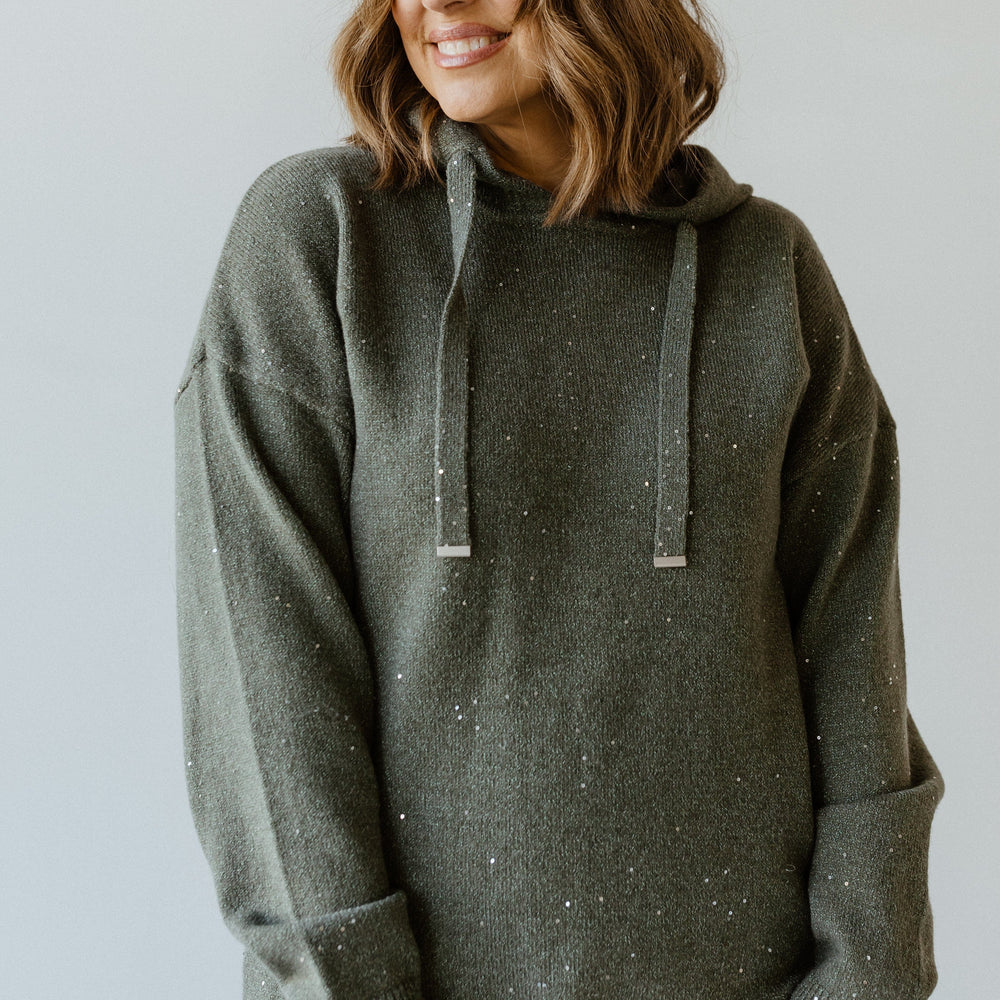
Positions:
{"x": 131, "y": 130}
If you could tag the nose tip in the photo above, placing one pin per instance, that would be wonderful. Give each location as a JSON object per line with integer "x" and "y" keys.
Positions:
{"x": 444, "y": 5}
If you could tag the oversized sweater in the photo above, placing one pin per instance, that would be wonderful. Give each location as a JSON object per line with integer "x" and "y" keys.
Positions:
{"x": 538, "y": 601}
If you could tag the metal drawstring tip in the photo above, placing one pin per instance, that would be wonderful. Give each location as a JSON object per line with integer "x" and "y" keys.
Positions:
{"x": 659, "y": 562}
{"x": 454, "y": 550}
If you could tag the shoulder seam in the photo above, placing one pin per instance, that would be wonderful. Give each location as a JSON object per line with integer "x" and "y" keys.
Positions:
{"x": 339, "y": 417}
{"x": 841, "y": 445}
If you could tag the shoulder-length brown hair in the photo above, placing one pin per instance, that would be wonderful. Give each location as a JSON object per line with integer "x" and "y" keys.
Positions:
{"x": 631, "y": 79}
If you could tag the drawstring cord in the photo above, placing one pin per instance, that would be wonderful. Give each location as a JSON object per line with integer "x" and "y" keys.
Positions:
{"x": 673, "y": 472}
{"x": 451, "y": 420}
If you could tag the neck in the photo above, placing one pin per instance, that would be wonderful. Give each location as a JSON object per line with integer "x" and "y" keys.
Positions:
{"x": 537, "y": 149}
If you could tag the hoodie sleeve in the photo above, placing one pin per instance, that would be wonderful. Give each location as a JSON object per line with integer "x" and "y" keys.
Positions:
{"x": 875, "y": 786}
{"x": 277, "y": 690}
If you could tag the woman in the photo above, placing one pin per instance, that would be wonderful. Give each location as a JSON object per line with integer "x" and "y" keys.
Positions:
{"x": 538, "y": 598}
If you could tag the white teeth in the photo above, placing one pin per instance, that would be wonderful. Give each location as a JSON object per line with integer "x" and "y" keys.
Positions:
{"x": 460, "y": 45}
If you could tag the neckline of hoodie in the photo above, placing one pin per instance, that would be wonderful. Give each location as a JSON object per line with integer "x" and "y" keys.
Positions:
{"x": 527, "y": 195}
{"x": 540, "y": 200}
{"x": 512, "y": 194}
{"x": 508, "y": 208}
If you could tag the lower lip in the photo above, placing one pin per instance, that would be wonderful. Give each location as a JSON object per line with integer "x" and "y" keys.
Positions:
{"x": 468, "y": 58}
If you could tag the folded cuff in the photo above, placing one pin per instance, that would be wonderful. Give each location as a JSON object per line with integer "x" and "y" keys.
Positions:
{"x": 366, "y": 952}
{"x": 868, "y": 894}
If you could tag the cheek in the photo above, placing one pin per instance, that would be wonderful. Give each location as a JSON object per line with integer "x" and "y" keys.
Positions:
{"x": 413, "y": 49}
{"x": 530, "y": 75}
{"x": 406, "y": 24}
{"x": 529, "y": 56}
{"x": 506, "y": 9}
{"x": 396, "y": 18}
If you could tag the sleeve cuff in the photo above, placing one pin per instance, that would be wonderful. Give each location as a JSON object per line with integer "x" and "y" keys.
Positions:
{"x": 868, "y": 894}
{"x": 365, "y": 952}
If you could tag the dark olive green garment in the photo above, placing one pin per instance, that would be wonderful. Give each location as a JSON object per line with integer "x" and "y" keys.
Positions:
{"x": 539, "y": 611}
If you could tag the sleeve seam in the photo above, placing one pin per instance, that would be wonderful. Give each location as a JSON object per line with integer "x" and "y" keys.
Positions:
{"x": 841, "y": 445}
{"x": 339, "y": 417}
{"x": 188, "y": 373}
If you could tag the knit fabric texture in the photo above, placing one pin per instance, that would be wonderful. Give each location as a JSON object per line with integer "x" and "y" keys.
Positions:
{"x": 538, "y": 599}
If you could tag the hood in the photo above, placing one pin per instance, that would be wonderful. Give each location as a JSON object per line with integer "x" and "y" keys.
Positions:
{"x": 693, "y": 190}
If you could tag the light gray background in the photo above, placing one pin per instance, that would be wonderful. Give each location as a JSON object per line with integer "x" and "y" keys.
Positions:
{"x": 130, "y": 132}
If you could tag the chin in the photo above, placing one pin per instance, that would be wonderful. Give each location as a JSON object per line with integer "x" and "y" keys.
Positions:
{"x": 474, "y": 112}
{"x": 462, "y": 113}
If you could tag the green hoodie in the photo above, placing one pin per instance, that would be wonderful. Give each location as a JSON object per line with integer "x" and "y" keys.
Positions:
{"x": 538, "y": 603}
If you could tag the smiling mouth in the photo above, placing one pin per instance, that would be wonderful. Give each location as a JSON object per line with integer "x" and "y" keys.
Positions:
{"x": 459, "y": 46}
{"x": 458, "y": 53}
